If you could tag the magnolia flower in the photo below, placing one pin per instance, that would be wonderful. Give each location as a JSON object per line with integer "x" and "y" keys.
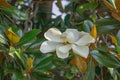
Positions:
{"x": 62, "y": 43}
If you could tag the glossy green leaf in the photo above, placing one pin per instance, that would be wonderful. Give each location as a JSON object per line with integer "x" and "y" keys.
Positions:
{"x": 16, "y": 53}
{"x": 37, "y": 43}
{"x": 57, "y": 21}
{"x": 87, "y": 25}
{"x": 106, "y": 25}
{"x": 107, "y": 28}
{"x": 29, "y": 36}
{"x": 2, "y": 39}
{"x": 69, "y": 7}
{"x": 90, "y": 74}
{"x": 87, "y": 6}
{"x": 2, "y": 47}
{"x": 102, "y": 48}
{"x": 106, "y": 21}
{"x": 118, "y": 37}
{"x": 18, "y": 76}
{"x": 67, "y": 20}
{"x": 106, "y": 59}
{"x": 74, "y": 69}
{"x": 3, "y": 27}
{"x": 37, "y": 74}
{"x": 15, "y": 13}
{"x": 59, "y": 63}
{"x": 69, "y": 75}
{"x": 118, "y": 49}
{"x": 45, "y": 63}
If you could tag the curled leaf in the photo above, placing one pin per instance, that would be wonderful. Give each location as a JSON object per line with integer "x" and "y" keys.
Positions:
{"x": 118, "y": 55}
{"x": 108, "y": 5}
{"x": 80, "y": 63}
{"x": 29, "y": 64}
{"x": 59, "y": 3}
{"x": 92, "y": 46}
{"x": 117, "y": 4}
{"x": 115, "y": 11}
{"x": 4, "y": 3}
{"x": 94, "y": 31}
{"x": 116, "y": 15}
{"x": 14, "y": 38}
{"x": 114, "y": 40}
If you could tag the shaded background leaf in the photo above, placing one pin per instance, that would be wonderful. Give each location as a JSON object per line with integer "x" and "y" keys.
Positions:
{"x": 104, "y": 59}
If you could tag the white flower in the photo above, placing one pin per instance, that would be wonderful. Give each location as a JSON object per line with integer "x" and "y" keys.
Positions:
{"x": 62, "y": 43}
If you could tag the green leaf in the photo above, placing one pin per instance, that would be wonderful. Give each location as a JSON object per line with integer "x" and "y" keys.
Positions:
{"x": 69, "y": 7}
{"x": 90, "y": 74}
{"x": 106, "y": 21}
{"x": 74, "y": 69}
{"x": 118, "y": 49}
{"x": 18, "y": 76}
{"x": 28, "y": 37}
{"x": 67, "y": 20}
{"x": 57, "y": 21}
{"x": 9, "y": 69}
{"x": 15, "y": 74}
{"x": 45, "y": 63}
{"x": 102, "y": 48}
{"x": 69, "y": 75}
{"x": 87, "y": 6}
{"x": 37, "y": 43}
{"x": 3, "y": 27}
{"x": 2, "y": 39}
{"x": 107, "y": 60}
{"x": 59, "y": 63}
{"x": 15, "y": 13}
{"x": 107, "y": 29}
{"x": 37, "y": 74}
{"x": 106, "y": 25}
{"x": 17, "y": 52}
{"x": 118, "y": 37}
{"x": 2, "y": 47}
{"x": 87, "y": 25}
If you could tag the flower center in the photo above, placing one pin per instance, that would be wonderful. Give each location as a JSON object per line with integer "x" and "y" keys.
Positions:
{"x": 65, "y": 40}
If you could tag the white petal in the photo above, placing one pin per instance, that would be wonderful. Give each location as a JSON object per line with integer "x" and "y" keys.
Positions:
{"x": 81, "y": 50}
{"x": 72, "y": 35}
{"x": 48, "y": 46}
{"x": 63, "y": 51}
{"x": 53, "y": 34}
{"x": 86, "y": 39}
{"x": 82, "y": 33}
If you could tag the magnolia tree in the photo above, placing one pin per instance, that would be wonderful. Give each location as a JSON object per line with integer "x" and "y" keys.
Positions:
{"x": 84, "y": 45}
